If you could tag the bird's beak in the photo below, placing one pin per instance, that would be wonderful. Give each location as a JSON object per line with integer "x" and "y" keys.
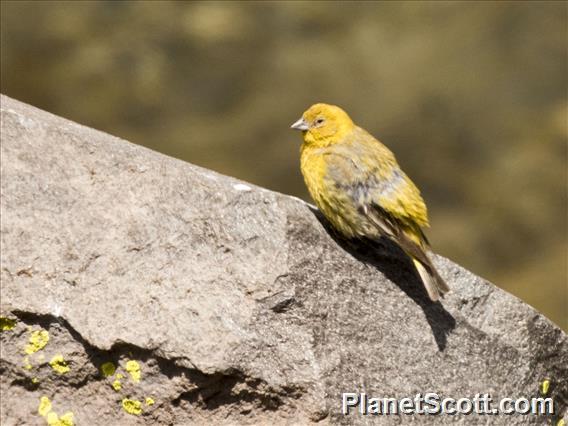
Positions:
{"x": 300, "y": 125}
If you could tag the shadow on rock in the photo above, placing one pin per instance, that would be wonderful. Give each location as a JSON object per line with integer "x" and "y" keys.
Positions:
{"x": 389, "y": 258}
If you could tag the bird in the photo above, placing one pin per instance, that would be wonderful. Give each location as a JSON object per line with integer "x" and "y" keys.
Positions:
{"x": 359, "y": 187}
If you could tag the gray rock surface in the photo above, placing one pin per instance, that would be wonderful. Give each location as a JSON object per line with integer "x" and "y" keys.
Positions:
{"x": 235, "y": 304}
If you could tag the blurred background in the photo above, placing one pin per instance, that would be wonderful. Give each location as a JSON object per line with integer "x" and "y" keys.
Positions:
{"x": 472, "y": 98}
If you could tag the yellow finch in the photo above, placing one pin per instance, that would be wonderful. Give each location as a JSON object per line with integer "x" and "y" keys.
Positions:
{"x": 359, "y": 187}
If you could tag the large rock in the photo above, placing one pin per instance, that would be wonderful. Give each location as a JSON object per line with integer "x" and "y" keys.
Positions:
{"x": 233, "y": 304}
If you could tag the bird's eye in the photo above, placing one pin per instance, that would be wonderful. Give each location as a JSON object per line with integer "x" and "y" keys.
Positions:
{"x": 319, "y": 121}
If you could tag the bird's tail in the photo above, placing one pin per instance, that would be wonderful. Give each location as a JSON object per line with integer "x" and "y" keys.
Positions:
{"x": 434, "y": 283}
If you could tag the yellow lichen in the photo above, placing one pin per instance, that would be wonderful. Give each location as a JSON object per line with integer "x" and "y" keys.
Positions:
{"x": 132, "y": 406}
{"x": 7, "y": 324}
{"x": 545, "y": 386}
{"x": 52, "y": 418}
{"x": 133, "y": 369}
{"x": 116, "y": 385}
{"x": 561, "y": 422}
{"x": 59, "y": 364}
{"x": 27, "y": 363}
{"x": 44, "y": 406}
{"x": 149, "y": 401}
{"x": 38, "y": 340}
{"x": 108, "y": 369}
{"x": 35, "y": 380}
{"x": 65, "y": 420}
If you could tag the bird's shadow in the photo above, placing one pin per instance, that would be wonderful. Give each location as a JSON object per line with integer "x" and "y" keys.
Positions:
{"x": 389, "y": 258}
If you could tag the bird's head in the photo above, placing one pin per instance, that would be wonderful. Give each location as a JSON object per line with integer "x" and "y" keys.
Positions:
{"x": 324, "y": 124}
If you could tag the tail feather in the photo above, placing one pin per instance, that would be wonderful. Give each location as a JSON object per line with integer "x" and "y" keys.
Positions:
{"x": 412, "y": 240}
{"x": 434, "y": 283}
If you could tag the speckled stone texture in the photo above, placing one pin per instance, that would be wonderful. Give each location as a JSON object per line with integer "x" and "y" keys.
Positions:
{"x": 237, "y": 304}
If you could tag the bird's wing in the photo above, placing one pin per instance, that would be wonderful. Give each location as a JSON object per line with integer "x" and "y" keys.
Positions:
{"x": 371, "y": 167}
{"x": 372, "y": 177}
{"x": 398, "y": 196}
{"x": 411, "y": 240}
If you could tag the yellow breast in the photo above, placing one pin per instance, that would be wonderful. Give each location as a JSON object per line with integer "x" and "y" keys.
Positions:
{"x": 314, "y": 168}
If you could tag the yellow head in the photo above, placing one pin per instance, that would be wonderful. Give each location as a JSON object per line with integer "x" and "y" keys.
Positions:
{"x": 324, "y": 124}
